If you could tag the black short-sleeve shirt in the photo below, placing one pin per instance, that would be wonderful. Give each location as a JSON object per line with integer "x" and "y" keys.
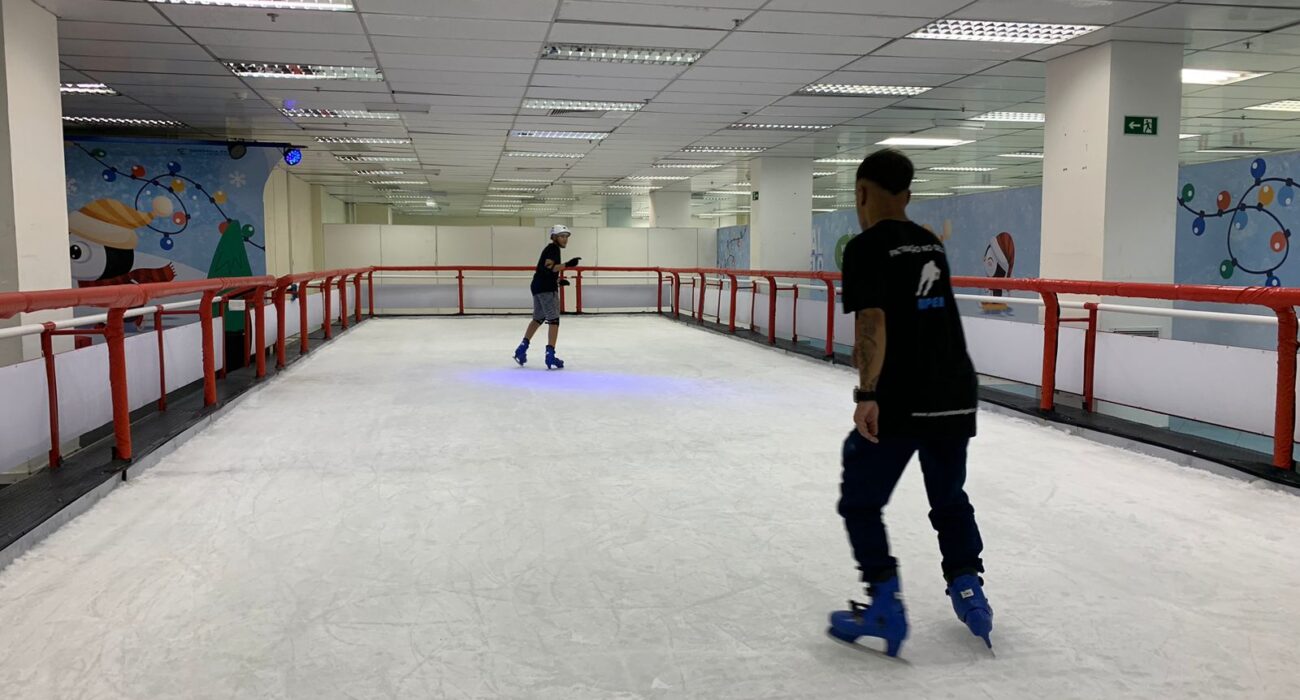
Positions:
{"x": 928, "y": 386}
{"x": 545, "y": 280}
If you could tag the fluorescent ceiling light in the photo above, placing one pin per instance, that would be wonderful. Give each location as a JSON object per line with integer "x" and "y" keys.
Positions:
{"x": 780, "y": 127}
{"x": 542, "y": 154}
{"x": 374, "y": 158}
{"x": 516, "y": 189}
{"x": 559, "y": 199}
{"x": 840, "y": 161}
{"x": 1032, "y": 117}
{"x": 363, "y": 139}
{"x": 823, "y": 210}
{"x": 1203, "y": 76}
{"x": 980, "y": 187}
{"x": 337, "y": 114}
{"x": 742, "y": 184}
{"x": 123, "y": 121}
{"x": 614, "y": 194}
{"x": 823, "y": 196}
{"x": 724, "y": 149}
{"x": 397, "y": 182}
{"x": 1184, "y": 137}
{"x": 1005, "y": 32}
{"x": 379, "y": 172}
{"x": 1279, "y": 106}
{"x": 881, "y": 90}
{"x": 932, "y": 194}
{"x": 1231, "y": 150}
{"x": 621, "y": 54}
{"x": 519, "y": 179}
{"x": 922, "y": 142}
{"x": 508, "y": 196}
{"x": 582, "y": 105}
{"x": 635, "y": 188}
{"x": 1027, "y": 155}
{"x": 86, "y": 89}
{"x": 824, "y": 173}
{"x": 657, "y": 178}
{"x": 335, "y": 5}
{"x": 961, "y": 169}
{"x": 687, "y": 166}
{"x": 301, "y": 71}
{"x": 583, "y": 135}
{"x": 744, "y": 193}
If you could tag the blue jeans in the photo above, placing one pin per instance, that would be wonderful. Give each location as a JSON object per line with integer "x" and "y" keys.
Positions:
{"x": 871, "y": 470}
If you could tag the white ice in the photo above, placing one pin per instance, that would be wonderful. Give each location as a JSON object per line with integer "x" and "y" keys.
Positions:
{"x": 406, "y": 514}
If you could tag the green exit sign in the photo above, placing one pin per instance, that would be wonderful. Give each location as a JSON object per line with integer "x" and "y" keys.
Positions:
{"x": 1143, "y": 126}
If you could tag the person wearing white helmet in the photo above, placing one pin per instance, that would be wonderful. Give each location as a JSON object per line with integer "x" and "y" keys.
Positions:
{"x": 546, "y": 296}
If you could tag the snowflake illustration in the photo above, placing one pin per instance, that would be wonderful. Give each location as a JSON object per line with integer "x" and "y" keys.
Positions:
{"x": 73, "y": 186}
{"x": 238, "y": 179}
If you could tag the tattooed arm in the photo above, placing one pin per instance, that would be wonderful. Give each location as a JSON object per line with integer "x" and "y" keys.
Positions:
{"x": 869, "y": 358}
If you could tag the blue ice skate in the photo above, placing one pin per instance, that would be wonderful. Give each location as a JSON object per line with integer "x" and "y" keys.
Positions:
{"x": 521, "y": 353}
{"x": 972, "y": 608}
{"x": 553, "y": 362}
{"x": 885, "y": 618}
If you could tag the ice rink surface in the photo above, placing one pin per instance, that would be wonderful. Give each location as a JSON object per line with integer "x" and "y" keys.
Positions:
{"x": 406, "y": 514}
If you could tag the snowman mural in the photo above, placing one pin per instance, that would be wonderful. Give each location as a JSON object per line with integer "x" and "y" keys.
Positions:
{"x": 999, "y": 262}
{"x": 102, "y": 246}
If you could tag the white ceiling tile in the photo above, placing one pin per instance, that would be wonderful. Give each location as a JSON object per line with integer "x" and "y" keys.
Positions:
{"x": 106, "y": 31}
{"x": 1055, "y": 11}
{"x": 824, "y": 24}
{"x": 608, "y": 70}
{"x": 731, "y": 86}
{"x": 462, "y": 9}
{"x": 911, "y": 8}
{"x": 104, "y": 11}
{"x": 755, "y": 74}
{"x": 410, "y": 61}
{"x": 457, "y": 47}
{"x": 165, "y": 67}
{"x": 254, "y": 19}
{"x": 580, "y": 33}
{"x": 922, "y": 48}
{"x": 1187, "y": 16}
{"x": 682, "y": 14}
{"x": 755, "y": 59}
{"x": 87, "y": 47}
{"x": 800, "y": 43}
{"x": 1240, "y": 60}
{"x": 280, "y": 46}
{"x": 458, "y": 29}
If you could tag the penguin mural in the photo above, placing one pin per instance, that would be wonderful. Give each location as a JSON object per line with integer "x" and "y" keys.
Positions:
{"x": 999, "y": 262}
{"x": 102, "y": 243}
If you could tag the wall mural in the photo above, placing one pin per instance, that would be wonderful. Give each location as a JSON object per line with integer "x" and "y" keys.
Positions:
{"x": 145, "y": 212}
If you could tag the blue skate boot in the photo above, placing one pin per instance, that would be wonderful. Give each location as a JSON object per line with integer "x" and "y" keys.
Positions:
{"x": 553, "y": 362}
{"x": 884, "y": 618}
{"x": 972, "y": 608}
{"x": 521, "y": 353}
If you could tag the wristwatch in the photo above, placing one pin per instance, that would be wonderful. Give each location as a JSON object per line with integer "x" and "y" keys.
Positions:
{"x": 859, "y": 395}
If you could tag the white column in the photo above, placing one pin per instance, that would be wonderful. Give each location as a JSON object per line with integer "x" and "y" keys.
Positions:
{"x": 33, "y": 187}
{"x": 670, "y": 209}
{"x": 1107, "y": 195}
{"x": 780, "y": 223}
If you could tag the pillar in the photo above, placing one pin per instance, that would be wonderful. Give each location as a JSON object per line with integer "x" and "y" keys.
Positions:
{"x": 1107, "y": 194}
{"x": 670, "y": 209}
{"x": 33, "y": 186}
{"x": 780, "y": 220}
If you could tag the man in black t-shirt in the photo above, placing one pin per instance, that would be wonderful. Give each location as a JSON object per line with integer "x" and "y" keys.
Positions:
{"x": 546, "y": 296}
{"x": 917, "y": 392}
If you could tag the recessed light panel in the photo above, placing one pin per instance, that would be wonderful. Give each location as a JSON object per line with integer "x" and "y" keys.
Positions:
{"x": 872, "y": 90}
{"x": 1002, "y": 32}
{"x": 621, "y": 54}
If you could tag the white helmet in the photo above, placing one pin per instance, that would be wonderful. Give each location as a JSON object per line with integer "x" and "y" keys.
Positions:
{"x": 560, "y": 230}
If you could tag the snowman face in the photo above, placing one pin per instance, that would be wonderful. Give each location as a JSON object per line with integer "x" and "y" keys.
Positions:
{"x": 89, "y": 260}
{"x": 990, "y": 263}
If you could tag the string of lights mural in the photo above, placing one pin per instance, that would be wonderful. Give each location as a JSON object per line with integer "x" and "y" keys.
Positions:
{"x": 1267, "y": 192}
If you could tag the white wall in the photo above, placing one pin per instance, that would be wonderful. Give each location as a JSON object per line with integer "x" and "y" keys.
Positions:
{"x": 294, "y": 212}
{"x": 349, "y": 245}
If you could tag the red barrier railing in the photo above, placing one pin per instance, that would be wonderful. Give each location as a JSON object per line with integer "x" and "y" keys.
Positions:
{"x": 119, "y": 299}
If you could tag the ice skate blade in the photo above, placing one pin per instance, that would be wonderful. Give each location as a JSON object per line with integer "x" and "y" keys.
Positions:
{"x": 852, "y": 644}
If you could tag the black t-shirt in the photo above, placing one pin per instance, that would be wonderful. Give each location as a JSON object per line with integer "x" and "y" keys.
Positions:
{"x": 545, "y": 280}
{"x": 928, "y": 386}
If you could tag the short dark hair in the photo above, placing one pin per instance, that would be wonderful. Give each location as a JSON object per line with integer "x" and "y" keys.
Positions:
{"x": 889, "y": 169}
